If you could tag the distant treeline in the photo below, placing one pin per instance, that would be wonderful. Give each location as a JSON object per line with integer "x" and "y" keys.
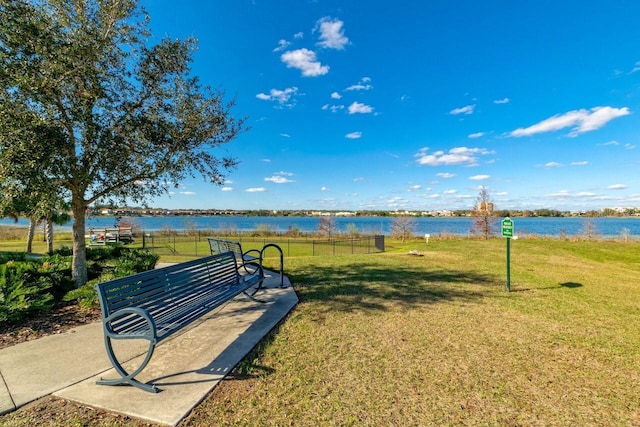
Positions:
{"x": 553, "y": 213}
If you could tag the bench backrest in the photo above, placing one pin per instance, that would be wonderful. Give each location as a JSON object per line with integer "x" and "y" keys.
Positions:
{"x": 166, "y": 289}
{"x": 221, "y": 246}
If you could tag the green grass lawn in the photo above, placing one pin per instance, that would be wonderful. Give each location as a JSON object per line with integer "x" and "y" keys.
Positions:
{"x": 395, "y": 339}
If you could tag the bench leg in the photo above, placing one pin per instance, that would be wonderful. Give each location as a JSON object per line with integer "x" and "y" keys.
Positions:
{"x": 128, "y": 378}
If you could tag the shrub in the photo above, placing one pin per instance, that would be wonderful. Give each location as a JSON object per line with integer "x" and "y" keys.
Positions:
{"x": 63, "y": 251}
{"x": 134, "y": 261}
{"x": 57, "y": 269}
{"x": 34, "y": 285}
{"x": 23, "y": 290}
{"x": 86, "y": 296}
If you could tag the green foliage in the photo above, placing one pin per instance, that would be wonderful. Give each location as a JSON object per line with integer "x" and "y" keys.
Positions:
{"x": 85, "y": 296}
{"x": 64, "y": 251}
{"x": 134, "y": 261}
{"x": 23, "y": 290}
{"x": 12, "y": 256}
{"x": 31, "y": 285}
{"x": 57, "y": 269}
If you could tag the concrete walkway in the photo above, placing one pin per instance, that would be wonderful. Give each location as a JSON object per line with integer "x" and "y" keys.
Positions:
{"x": 186, "y": 368}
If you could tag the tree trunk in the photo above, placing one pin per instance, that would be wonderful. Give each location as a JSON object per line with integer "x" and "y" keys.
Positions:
{"x": 79, "y": 263}
{"x": 32, "y": 231}
{"x": 49, "y": 226}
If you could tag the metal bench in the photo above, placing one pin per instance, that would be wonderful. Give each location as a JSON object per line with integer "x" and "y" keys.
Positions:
{"x": 217, "y": 246}
{"x": 155, "y": 304}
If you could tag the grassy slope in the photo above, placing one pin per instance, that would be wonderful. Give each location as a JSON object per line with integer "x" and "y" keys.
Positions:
{"x": 394, "y": 339}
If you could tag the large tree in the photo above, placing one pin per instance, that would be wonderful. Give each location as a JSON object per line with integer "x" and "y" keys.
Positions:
{"x": 120, "y": 119}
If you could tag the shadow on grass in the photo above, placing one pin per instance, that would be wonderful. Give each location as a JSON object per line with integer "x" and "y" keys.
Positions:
{"x": 571, "y": 285}
{"x": 372, "y": 285}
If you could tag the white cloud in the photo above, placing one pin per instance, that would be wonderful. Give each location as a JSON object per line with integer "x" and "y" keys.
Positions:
{"x": 580, "y": 163}
{"x": 265, "y": 160}
{"x": 463, "y": 110}
{"x": 282, "y": 45}
{"x": 331, "y": 33}
{"x": 279, "y": 179}
{"x": 445, "y": 175}
{"x": 227, "y": 189}
{"x": 617, "y": 187}
{"x": 552, "y": 165}
{"x": 353, "y": 135}
{"x": 449, "y": 191}
{"x": 501, "y": 101}
{"x": 336, "y": 95}
{"x": 256, "y": 190}
{"x": 333, "y": 108}
{"x": 455, "y": 156}
{"x": 324, "y": 189}
{"x": 580, "y": 121}
{"x": 188, "y": 193}
{"x": 415, "y": 187}
{"x": 361, "y": 85}
{"x": 629, "y": 146}
{"x": 280, "y": 96}
{"x": 298, "y": 35}
{"x": 304, "y": 60}
{"x": 357, "y": 107}
{"x": 285, "y": 135}
{"x": 476, "y": 135}
{"x": 565, "y": 194}
{"x": 479, "y": 177}
{"x": 636, "y": 67}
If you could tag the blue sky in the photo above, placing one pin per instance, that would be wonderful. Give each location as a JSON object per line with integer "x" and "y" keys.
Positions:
{"x": 417, "y": 104}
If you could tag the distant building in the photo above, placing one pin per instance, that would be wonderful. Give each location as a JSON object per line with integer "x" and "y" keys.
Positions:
{"x": 485, "y": 206}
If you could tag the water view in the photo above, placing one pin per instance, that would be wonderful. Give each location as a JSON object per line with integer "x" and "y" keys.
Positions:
{"x": 552, "y": 227}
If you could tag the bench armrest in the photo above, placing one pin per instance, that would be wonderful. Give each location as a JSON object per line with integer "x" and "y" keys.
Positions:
{"x": 253, "y": 256}
{"x": 106, "y": 322}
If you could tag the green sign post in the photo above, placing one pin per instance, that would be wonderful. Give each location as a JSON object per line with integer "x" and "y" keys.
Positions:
{"x": 507, "y": 231}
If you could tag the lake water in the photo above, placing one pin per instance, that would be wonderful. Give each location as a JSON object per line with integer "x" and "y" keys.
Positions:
{"x": 607, "y": 227}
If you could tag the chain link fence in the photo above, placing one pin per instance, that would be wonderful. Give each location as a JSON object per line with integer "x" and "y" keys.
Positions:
{"x": 195, "y": 244}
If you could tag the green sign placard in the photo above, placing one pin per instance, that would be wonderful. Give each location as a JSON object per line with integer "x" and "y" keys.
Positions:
{"x": 507, "y": 227}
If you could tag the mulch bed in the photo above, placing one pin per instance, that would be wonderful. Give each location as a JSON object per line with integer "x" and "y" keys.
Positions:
{"x": 63, "y": 317}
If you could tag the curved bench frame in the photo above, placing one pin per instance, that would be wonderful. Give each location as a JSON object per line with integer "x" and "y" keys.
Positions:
{"x": 177, "y": 295}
